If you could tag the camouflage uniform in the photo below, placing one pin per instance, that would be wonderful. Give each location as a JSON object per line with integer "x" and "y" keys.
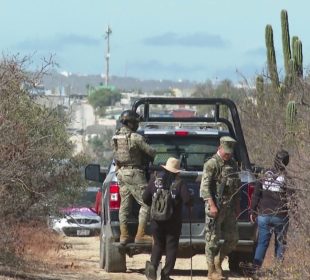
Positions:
{"x": 216, "y": 171}
{"x": 132, "y": 154}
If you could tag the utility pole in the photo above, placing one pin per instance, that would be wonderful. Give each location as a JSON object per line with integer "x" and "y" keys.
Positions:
{"x": 107, "y": 57}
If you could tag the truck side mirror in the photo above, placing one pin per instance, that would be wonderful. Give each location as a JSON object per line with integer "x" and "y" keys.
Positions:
{"x": 93, "y": 173}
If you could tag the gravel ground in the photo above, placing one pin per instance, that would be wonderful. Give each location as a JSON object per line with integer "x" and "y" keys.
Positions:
{"x": 83, "y": 257}
{"x": 79, "y": 259}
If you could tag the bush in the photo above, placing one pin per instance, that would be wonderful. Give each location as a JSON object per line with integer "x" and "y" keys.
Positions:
{"x": 37, "y": 170}
{"x": 266, "y": 131}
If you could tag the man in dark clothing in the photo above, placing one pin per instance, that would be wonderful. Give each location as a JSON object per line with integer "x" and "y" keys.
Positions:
{"x": 270, "y": 207}
{"x": 166, "y": 234}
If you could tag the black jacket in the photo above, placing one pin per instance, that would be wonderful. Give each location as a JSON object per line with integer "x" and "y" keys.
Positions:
{"x": 270, "y": 196}
{"x": 181, "y": 196}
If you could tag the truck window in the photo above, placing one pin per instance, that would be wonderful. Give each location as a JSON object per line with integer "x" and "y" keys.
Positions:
{"x": 192, "y": 151}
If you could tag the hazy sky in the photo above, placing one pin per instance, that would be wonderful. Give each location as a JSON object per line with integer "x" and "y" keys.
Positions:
{"x": 162, "y": 39}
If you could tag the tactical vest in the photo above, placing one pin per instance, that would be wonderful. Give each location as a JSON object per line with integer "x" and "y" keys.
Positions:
{"x": 227, "y": 179}
{"x": 122, "y": 148}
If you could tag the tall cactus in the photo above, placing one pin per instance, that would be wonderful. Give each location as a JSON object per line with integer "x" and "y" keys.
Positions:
{"x": 293, "y": 58}
{"x": 290, "y": 77}
{"x": 294, "y": 39}
{"x": 298, "y": 58}
{"x": 260, "y": 89}
{"x": 271, "y": 58}
{"x": 294, "y": 73}
{"x": 285, "y": 40}
{"x": 291, "y": 113}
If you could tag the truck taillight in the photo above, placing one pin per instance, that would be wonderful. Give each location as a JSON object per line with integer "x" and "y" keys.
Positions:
{"x": 181, "y": 133}
{"x": 250, "y": 193}
{"x": 115, "y": 198}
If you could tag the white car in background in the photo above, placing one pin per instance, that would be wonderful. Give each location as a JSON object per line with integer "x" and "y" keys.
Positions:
{"x": 80, "y": 219}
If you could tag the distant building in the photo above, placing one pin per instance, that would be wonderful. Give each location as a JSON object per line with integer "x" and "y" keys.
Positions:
{"x": 53, "y": 101}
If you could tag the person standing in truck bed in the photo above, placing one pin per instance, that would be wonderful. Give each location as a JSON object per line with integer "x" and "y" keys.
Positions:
{"x": 132, "y": 155}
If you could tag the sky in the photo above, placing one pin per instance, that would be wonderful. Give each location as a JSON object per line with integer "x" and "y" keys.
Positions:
{"x": 195, "y": 40}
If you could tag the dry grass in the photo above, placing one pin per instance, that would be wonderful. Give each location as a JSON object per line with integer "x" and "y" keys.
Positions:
{"x": 35, "y": 247}
{"x": 39, "y": 243}
{"x": 266, "y": 131}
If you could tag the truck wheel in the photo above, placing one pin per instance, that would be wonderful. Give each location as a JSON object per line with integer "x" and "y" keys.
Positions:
{"x": 114, "y": 260}
{"x": 236, "y": 257}
{"x": 102, "y": 253}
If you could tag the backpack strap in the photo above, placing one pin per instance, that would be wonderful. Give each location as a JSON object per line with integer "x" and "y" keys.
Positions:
{"x": 174, "y": 185}
{"x": 156, "y": 179}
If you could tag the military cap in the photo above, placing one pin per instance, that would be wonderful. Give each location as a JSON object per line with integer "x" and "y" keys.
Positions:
{"x": 228, "y": 144}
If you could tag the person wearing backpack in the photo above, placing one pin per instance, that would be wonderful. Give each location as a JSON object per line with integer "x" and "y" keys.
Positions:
{"x": 166, "y": 193}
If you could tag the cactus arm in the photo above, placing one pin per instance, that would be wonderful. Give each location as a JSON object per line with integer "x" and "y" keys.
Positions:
{"x": 285, "y": 40}
{"x": 271, "y": 58}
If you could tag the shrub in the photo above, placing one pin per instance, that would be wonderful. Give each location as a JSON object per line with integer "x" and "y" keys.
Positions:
{"x": 37, "y": 169}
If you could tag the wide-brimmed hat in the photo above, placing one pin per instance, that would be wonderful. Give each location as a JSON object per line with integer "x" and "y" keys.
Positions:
{"x": 228, "y": 143}
{"x": 172, "y": 165}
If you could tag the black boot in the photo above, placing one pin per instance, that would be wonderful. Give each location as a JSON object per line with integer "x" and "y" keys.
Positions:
{"x": 150, "y": 271}
{"x": 165, "y": 276}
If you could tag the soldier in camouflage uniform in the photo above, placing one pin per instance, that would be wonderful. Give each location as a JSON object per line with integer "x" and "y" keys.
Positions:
{"x": 220, "y": 190}
{"x": 132, "y": 155}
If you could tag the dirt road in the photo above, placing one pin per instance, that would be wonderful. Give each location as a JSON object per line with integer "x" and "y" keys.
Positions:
{"x": 80, "y": 258}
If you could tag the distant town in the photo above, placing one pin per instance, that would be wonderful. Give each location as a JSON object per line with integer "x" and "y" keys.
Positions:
{"x": 70, "y": 92}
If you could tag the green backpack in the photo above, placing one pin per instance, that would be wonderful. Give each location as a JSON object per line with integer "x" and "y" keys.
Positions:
{"x": 162, "y": 201}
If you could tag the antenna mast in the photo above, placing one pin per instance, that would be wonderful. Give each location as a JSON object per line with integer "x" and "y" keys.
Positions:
{"x": 107, "y": 57}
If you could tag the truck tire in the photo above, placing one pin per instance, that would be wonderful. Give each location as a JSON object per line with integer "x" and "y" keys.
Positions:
{"x": 236, "y": 257}
{"x": 114, "y": 260}
{"x": 102, "y": 253}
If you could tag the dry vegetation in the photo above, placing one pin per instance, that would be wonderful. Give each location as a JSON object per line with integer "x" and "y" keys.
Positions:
{"x": 38, "y": 173}
{"x": 265, "y": 125}
{"x": 266, "y": 131}
{"x": 37, "y": 170}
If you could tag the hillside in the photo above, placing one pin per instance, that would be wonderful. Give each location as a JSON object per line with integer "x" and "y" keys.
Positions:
{"x": 75, "y": 83}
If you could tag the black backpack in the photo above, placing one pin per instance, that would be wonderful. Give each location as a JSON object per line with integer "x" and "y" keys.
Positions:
{"x": 162, "y": 201}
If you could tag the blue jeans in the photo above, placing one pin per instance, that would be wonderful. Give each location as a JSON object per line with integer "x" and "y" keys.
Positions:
{"x": 267, "y": 225}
